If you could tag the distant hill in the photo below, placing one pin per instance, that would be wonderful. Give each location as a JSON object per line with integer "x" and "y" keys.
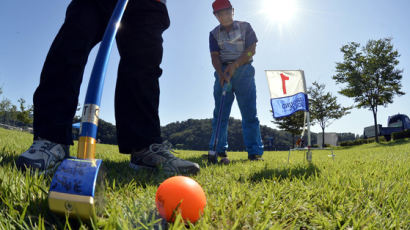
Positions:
{"x": 194, "y": 134}
{"x": 106, "y": 132}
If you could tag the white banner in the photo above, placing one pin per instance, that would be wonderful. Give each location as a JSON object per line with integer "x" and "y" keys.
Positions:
{"x": 285, "y": 83}
{"x": 287, "y": 91}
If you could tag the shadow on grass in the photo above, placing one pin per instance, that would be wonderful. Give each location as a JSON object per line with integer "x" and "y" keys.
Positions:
{"x": 53, "y": 220}
{"x": 122, "y": 173}
{"x": 200, "y": 159}
{"x": 298, "y": 172}
{"x": 39, "y": 208}
{"x": 203, "y": 161}
{"x": 34, "y": 210}
{"x": 7, "y": 159}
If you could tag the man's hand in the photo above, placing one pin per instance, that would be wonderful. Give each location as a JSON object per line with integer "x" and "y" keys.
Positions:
{"x": 243, "y": 59}
{"x": 230, "y": 71}
{"x": 221, "y": 77}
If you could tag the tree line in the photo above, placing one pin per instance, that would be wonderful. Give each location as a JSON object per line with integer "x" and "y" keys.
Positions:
{"x": 192, "y": 134}
{"x": 195, "y": 134}
{"x": 16, "y": 115}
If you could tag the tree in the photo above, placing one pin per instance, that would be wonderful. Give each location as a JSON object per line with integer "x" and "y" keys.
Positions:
{"x": 12, "y": 115}
{"x": 292, "y": 124}
{"x": 25, "y": 114}
{"x": 371, "y": 75}
{"x": 323, "y": 107}
{"x": 9, "y": 114}
{"x": 106, "y": 132}
{"x": 346, "y": 137}
{"x": 5, "y": 106}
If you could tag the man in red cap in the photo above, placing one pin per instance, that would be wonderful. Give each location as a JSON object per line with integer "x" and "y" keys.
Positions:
{"x": 232, "y": 45}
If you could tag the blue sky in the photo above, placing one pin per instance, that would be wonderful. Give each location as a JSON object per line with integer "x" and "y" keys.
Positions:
{"x": 309, "y": 39}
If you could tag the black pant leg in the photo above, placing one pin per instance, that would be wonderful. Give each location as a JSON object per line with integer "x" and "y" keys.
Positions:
{"x": 56, "y": 98}
{"x": 139, "y": 42}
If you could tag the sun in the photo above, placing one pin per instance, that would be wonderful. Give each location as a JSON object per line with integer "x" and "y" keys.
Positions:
{"x": 279, "y": 11}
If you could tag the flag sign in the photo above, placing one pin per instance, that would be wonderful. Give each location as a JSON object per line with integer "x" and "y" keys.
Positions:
{"x": 287, "y": 92}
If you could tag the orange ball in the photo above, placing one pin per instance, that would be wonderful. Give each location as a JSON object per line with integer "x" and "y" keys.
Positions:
{"x": 184, "y": 193}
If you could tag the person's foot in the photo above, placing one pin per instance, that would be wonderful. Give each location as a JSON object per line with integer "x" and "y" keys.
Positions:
{"x": 223, "y": 158}
{"x": 212, "y": 157}
{"x": 224, "y": 161}
{"x": 255, "y": 157}
{"x": 43, "y": 155}
{"x": 159, "y": 156}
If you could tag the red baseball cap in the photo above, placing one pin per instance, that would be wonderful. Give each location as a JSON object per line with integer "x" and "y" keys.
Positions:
{"x": 221, "y": 5}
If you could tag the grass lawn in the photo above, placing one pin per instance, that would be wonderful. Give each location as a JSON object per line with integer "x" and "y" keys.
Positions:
{"x": 363, "y": 187}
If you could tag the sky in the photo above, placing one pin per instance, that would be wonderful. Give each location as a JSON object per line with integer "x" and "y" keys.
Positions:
{"x": 305, "y": 35}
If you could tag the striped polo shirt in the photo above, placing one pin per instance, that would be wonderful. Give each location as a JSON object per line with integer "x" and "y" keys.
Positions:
{"x": 232, "y": 44}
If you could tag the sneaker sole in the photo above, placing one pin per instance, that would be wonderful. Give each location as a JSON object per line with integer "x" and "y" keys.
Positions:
{"x": 224, "y": 161}
{"x": 139, "y": 167}
{"x": 23, "y": 164}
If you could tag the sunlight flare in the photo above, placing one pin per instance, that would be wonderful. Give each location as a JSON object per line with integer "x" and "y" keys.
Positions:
{"x": 279, "y": 11}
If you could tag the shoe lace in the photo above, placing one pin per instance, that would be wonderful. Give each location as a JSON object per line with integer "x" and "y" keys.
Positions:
{"x": 164, "y": 148}
{"x": 42, "y": 146}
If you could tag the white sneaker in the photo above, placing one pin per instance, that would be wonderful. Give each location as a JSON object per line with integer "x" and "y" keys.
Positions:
{"x": 43, "y": 155}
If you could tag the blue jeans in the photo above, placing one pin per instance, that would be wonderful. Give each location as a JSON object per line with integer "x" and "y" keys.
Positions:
{"x": 244, "y": 88}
